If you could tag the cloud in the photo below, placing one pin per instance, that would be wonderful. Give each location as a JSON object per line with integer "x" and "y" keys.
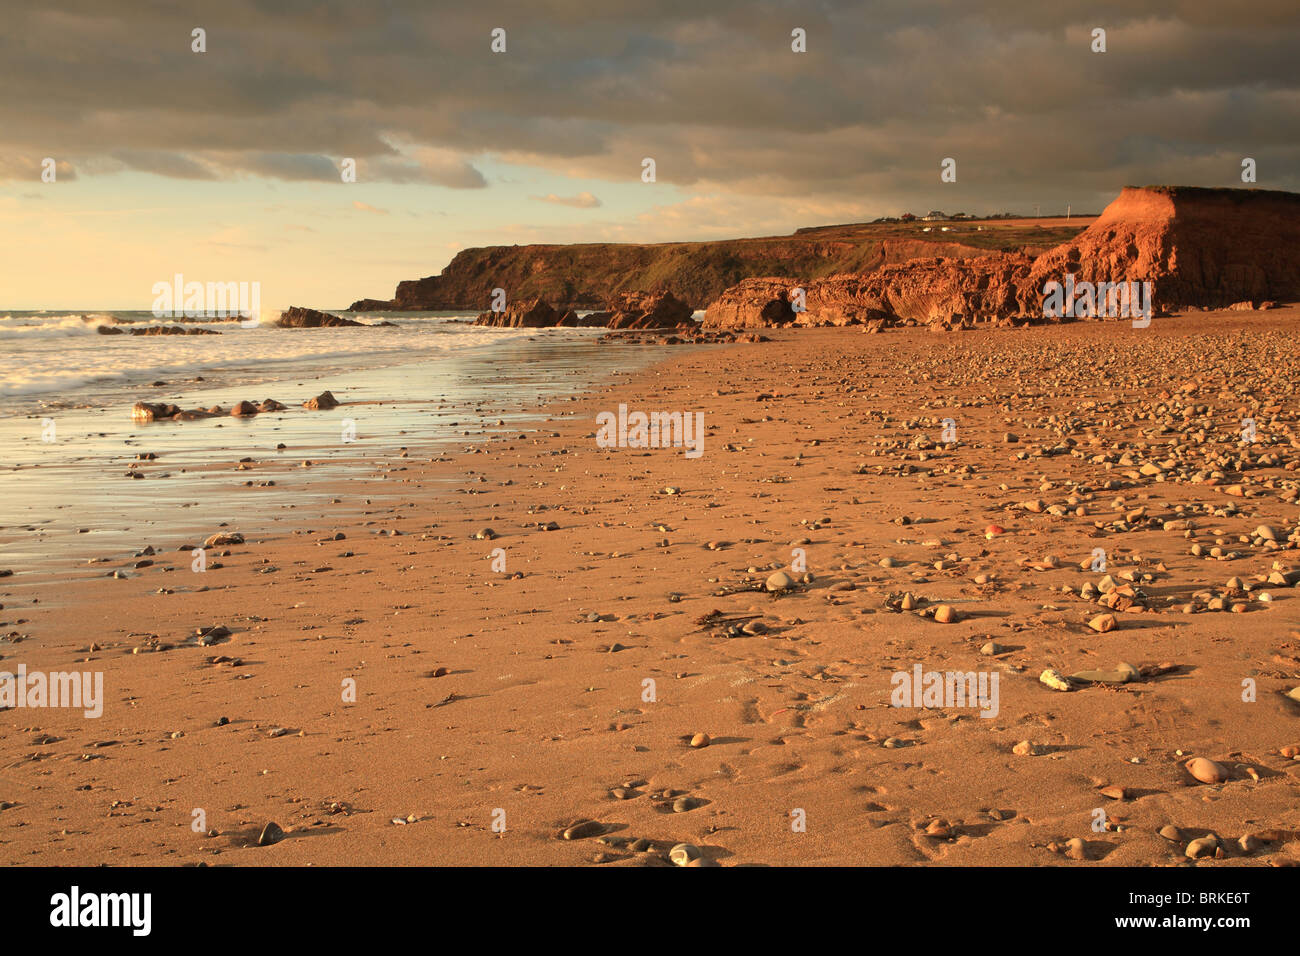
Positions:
{"x": 583, "y": 200}
{"x": 712, "y": 91}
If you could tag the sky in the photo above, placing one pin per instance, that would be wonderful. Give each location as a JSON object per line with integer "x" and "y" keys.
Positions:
{"x": 225, "y": 165}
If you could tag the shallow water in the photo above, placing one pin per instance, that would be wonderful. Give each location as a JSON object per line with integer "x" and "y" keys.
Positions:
{"x": 66, "y": 500}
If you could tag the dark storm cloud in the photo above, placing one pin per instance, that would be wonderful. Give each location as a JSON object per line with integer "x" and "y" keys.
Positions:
{"x": 710, "y": 90}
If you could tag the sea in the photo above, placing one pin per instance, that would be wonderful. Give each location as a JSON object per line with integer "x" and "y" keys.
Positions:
{"x": 432, "y": 380}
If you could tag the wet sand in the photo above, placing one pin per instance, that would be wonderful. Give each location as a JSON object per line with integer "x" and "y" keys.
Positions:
{"x": 520, "y": 696}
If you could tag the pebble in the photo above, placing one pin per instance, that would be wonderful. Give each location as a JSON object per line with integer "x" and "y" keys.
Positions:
{"x": 1055, "y": 680}
{"x": 683, "y": 853}
{"x": 945, "y": 614}
{"x": 685, "y": 804}
{"x": 1202, "y": 847}
{"x": 1027, "y": 748}
{"x": 1206, "y": 770}
{"x": 1102, "y": 623}
{"x": 583, "y": 829}
{"x": 701, "y": 740}
{"x": 779, "y": 581}
{"x": 271, "y": 833}
{"x": 992, "y": 648}
{"x": 1076, "y": 849}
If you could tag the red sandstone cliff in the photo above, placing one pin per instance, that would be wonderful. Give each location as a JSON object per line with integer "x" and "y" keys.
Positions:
{"x": 1198, "y": 247}
{"x": 586, "y": 276}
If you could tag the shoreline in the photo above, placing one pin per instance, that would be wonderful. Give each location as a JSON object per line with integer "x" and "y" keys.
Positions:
{"x": 542, "y": 711}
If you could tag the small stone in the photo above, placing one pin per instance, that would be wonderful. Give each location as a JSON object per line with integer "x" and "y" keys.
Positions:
{"x": 1206, "y": 770}
{"x": 1055, "y": 680}
{"x": 683, "y": 853}
{"x": 939, "y": 829}
{"x": 701, "y": 740}
{"x": 1102, "y": 623}
{"x": 1202, "y": 847}
{"x": 1114, "y": 792}
{"x": 992, "y": 648}
{"x": 946, "y": 614}
{"x": 1171, "y": 833}
{"x": 1027, "y": 748}
{"x": 271, "y": 833}
{"x": 485, "y": 534}
{"x": 1248, "y": 843}
{"x": 583, "y": 829}
{"x": 1076, "y": 849}
{"x": 779, "y": 581}
{"x": 685, "y": 804}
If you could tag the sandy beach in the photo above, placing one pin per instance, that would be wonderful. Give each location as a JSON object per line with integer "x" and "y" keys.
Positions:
{"x": 548, "y": 638}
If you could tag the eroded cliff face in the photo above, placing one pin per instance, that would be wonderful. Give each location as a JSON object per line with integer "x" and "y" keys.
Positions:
{"x": 1208, "y": 248}
{"x": 1198, "y": 247}
{"x": 587, "y": 276}
{"x": 940, "y": 289}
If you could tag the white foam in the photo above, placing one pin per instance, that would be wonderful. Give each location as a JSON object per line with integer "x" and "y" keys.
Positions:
{"x": 54, "y": 355}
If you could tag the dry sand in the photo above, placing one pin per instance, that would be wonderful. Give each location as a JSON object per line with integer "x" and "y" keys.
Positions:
{"x": 831, "y": 436}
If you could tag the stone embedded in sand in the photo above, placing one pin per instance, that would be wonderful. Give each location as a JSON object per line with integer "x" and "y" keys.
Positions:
{"x": 1291, "y": 751}
{"x": 945, "y": 614}
{"x": 1206, "y": 770}
{"x": 1122, "y": 673}
{"x": 583, "y": 829}
{"x": 321, "y": 403}
{"x": 1202, "y": 847}
{"x": 271, "y": 833}
{"x": 1076, "y": 849}
{"x": 222, "y": 538}
{"x": 1114, "y": 792}
{"x": 1248, "y": 843}
{"x": 1171, "y": 833}
{"x": 243, "y": 409}
{"x": 153, "y": 411}
{"x": 1102, "y": 623}
{"x": 779, "y": 581}
{"x": 701, "y": 740}
{"x": 683, "y": 853}
{"x": 1294, "y": 694}
{"x": 1027, "y": 748}
{"x": 1266, "y": 532}
{"x": 1055, "y": 680}
{"x": 686, "y": 804}
{"x": 992, "y": 648}
{"x": 908, "y": 603}
{"x": 939, "y": 829}
{"x": 485, "y": 534}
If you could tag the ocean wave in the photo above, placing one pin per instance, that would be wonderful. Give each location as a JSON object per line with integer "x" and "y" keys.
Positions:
{"x": 64, "y": 354}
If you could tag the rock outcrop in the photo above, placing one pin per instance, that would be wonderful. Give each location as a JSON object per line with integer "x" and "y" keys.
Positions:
{"x": 937, "y": 290}
{"x": 1198, "y": 247}
{"x": 167, "y": 411}
{"x": 522, "y": 314}
{"x": 156, "y": 330}
{"x": 1207, "y": 248}
{"x": 297, "y": 317}
{"x": 627, "y": 310}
